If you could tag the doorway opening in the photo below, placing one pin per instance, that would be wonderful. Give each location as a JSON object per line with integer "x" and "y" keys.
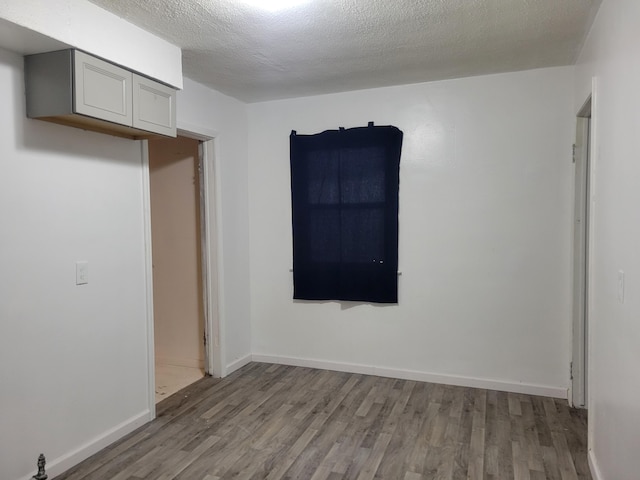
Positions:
{"x": 178, "y": 270}
{"x": 582, "y": 160}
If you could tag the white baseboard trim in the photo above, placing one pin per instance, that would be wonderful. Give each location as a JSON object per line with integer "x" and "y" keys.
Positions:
{"x": 489, "y": 384}
{"x": 180, "y": 362}
{"x": 61, "y": 464}
{"x": 593, "y": 466}
{"x": 238, "y": 364}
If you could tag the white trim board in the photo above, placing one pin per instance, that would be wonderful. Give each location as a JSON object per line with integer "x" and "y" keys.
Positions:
{"x": 461, "y": 381}
{"x": 215, "y": 298}
{"x": 148, "y": 278}
{"x": 593, "y": 466}
{"x": 239, "y": 363}
{"x": 69, "y": 460}
{"x": 197, "y": 132}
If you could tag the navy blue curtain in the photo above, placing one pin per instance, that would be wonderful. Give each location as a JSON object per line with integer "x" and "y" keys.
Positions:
{"x": 344, "y": 191}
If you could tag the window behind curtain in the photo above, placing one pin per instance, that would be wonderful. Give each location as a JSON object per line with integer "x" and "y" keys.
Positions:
{"x": 344, "y": 189}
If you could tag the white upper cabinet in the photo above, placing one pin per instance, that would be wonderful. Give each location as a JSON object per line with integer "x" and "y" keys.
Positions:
{"x": 154, "y": 106}
{"x": 102, "y": 90}
{"x": 74, "y": 88}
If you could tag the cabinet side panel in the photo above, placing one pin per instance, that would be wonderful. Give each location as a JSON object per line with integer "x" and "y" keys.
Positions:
{"x": 48, "y": 84}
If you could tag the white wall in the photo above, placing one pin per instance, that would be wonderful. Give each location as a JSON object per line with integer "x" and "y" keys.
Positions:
{"x": 73, "y": 359}
{"x": 83, "y": 25}
{"x": 67, "y": 352}
{"x": 485, "y": 234}
{"x": 611, "y": 55}
{"x": 203, "y": 109}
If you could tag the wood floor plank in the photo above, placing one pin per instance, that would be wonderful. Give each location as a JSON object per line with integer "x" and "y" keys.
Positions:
{"x": 318, "y": 452}
{"x": 372, "y": 463}
{"x": 421, "y": 447}
{"x": 520, "y": 463}
{"x": 189, "y": 458}
{"x": 291, "y": 456}
{"x": 326, "y": 466}
{"x": 134, "y": 468}
{"x": 532, "y": 442}
{"x": 289, "y": 423}
{"x": 396, "y": 458}
{"x": 565, "y": 461}
{"x": 413, "y": 476}
{"x": 475, "y": 471}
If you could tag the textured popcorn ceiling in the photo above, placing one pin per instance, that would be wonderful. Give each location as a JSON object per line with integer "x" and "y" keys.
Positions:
{"x": 339, "y": 45}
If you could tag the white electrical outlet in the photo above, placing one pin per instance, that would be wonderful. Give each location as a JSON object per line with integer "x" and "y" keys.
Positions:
{"x": 621, "y": 286}
{"x": 82, "y": 273}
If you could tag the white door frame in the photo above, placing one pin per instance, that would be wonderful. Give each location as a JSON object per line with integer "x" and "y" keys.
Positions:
{"x": 210, "y": 185}
{"x": 581, "y": 248}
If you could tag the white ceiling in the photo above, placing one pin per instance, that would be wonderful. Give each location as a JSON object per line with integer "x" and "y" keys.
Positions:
{"x": 340, "y": 45}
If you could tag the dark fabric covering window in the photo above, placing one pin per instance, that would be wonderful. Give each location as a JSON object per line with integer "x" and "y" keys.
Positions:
{"x": 344, "y": 189}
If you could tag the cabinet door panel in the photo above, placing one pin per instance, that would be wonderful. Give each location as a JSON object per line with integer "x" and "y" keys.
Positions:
{"x": 103, "y": 90}
{"x": 154, "y": 106}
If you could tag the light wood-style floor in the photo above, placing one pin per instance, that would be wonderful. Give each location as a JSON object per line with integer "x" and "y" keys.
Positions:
{"x": 173, "y": 378}
{"x": 278, "y": 422}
